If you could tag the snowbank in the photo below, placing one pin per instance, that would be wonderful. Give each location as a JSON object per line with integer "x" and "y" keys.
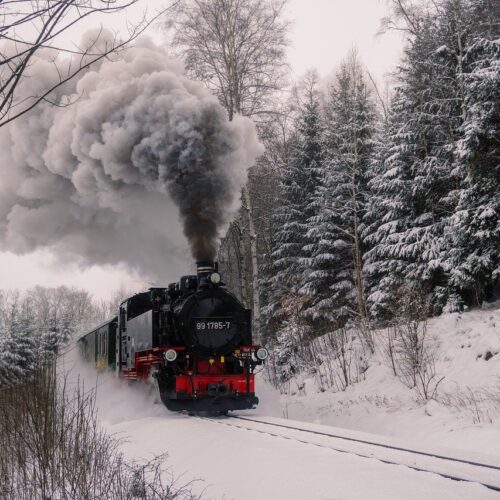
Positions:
{"x": 465, "y": 413}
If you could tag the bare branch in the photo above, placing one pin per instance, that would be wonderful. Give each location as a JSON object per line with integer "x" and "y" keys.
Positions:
{"x": 48, "y": 20}
{"x": 379, "y": 96}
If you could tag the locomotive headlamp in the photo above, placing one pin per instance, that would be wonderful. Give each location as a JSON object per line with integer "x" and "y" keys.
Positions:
{"x": 170, "y": 355}
{"x": 262, "y": 354}
{"x": 215, "y": 278}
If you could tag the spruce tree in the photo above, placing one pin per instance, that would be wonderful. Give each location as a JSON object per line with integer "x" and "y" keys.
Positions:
{"x": 474, "y": 229}
{"x": 418, "y": 182}
{"x": 434, "y": 115}
{"x": 335, "y": 283}
{"x": 299, "y": 181}
{"x": 390, "y": 210}
{"x": 434, "y": 211}
{"x": 18, "y": 351}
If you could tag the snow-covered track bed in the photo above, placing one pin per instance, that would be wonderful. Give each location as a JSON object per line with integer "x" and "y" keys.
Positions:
{"x": 244, "y": 460}
{"x": 470, "y": 467}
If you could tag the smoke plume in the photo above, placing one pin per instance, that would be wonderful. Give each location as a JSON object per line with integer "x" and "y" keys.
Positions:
{"x": 132, "y": 149}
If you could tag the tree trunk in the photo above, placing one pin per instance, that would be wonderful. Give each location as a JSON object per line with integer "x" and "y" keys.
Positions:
{"x": 247, "y": 205}
{"x": 242, "y": 262}
{"x": 255, "y": 265}
{"x": 357, "y": 251}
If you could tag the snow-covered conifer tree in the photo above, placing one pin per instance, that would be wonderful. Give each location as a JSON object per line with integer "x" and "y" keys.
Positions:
{"x": 18, "y": 349}
{"x": 35, "y": 324}
{"x": 389, "y": 210}
{"x": 335, "y": 283}
{"x": 433, "y": 209}
{"x": 474, "y": 229}
{"x": 416, "y": 182}
{"x": 299, "y": 181}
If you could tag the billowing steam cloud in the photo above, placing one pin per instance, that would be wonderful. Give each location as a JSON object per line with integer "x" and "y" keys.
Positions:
{"x": 110, "y": 176}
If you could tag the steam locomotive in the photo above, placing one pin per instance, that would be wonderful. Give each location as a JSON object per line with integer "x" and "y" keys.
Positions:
{"x": 193, "y": 339}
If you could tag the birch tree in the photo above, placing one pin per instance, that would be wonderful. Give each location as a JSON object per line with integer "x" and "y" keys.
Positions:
{"x": 237, "y": 47}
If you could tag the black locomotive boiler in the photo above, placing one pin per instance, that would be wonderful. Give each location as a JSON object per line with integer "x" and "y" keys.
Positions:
{"x": 193, "y": 339}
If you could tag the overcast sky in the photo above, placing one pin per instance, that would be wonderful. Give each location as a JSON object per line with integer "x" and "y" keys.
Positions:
{"x": 322, "y": 33}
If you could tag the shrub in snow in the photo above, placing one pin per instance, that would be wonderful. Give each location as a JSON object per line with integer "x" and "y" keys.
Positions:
{"x": 409, "y": 350}
{"x": 285, "y": 354}
{"x": 52, "y": 446}
{"x": 481, "y": 405}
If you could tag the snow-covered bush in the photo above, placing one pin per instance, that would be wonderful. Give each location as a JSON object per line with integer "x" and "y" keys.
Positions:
{"x": 334, "y": 360}
{"x": 52, "y": 446}
{"x": 343, "y": 359}
{"x": 482, "y": 405}
{"x": 407, "y": 345}
{"x": 289, "y": 355}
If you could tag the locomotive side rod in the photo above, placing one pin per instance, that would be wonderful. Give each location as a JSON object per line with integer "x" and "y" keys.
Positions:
{"x": 480, "y": 473}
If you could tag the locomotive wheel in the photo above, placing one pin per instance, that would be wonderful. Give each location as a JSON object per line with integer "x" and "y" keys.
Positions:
{"x": 165, "y": 382}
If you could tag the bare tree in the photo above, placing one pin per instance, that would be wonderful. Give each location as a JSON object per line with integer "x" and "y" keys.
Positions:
{"x": 404, "y": 15}
{"x": 237, "y": 47}
{"x": 53, "y": 446}
{"x": 412, "y": 350}
{"x": 31, "y": 27}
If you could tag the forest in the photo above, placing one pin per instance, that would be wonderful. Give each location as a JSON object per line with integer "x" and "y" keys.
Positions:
{"x": 377, "y": 193}
{"x": 374, "y": 207}
{"x": 367, "y": 191}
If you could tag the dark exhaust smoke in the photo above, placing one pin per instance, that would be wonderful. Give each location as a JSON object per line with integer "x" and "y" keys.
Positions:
{"x": 141, "y": 157}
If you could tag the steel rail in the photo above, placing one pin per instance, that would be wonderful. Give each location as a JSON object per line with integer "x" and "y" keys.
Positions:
{"x": 226, "y": 421}
{"x": 381, "y": 445}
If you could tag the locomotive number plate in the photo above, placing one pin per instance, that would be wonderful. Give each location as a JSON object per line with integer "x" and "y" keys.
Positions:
{"x": 201, "y": 325}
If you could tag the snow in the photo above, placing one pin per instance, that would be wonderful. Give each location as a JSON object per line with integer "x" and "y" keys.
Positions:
{"x": 464, "y": 416}
{"x": 233, "y": 463}
{"x": 242, "y": 464}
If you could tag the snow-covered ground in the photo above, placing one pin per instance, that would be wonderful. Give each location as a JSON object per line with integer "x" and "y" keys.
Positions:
{"x": 240, "y": 464}
{"x": 465, "y": 414}
{"x": 235, "y": 463}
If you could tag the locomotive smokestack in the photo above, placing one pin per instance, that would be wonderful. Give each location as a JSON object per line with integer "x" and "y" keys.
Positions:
{"x": 205, "y": 268}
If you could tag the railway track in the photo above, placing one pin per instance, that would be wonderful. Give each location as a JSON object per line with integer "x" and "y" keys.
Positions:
{"x": 446, "y": 465}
